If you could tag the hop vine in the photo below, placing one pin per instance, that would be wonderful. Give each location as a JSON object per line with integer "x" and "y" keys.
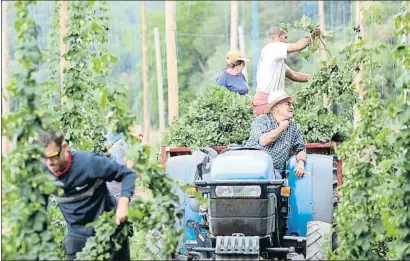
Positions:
{"x": 85, "y": 75}
{"x": 25, "y": 184}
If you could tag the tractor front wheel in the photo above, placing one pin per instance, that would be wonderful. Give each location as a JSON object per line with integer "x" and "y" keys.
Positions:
{"x": 317, "y": 238}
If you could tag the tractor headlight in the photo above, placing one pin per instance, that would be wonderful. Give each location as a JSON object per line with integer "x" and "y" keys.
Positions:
{"x": 238, "y": 191}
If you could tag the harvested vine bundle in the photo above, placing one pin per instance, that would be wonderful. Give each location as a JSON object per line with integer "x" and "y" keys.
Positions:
{"x": 216, "y": 117}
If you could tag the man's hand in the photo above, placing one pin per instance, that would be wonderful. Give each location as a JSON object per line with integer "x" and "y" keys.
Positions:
{"x": 130, "y": 163}
{"x": 300, "y": 169}
{"x": 122, "y": 211}
{"x": 136, "y": 131}
{"x": 283, "y": 125}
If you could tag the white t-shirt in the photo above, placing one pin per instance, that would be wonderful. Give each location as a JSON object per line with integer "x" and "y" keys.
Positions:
{"x": 270, "y": 75}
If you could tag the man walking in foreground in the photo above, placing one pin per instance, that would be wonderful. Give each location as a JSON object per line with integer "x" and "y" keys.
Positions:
{"x": 272, "y": 68}
{"x": 83, "y": 176}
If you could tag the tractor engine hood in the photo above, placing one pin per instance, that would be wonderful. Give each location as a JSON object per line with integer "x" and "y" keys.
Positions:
{"x": 242, "y": 165}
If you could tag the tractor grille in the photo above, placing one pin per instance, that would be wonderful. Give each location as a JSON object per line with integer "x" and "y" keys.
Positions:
{"x": 251, "y": 217}
{"x": 228, "y": 207}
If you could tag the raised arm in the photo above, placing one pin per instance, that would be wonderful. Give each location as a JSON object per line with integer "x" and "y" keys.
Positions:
{"x": 297, "y": 76}
{"x": 299, "y": 45}
{"x": 304, "y": 42}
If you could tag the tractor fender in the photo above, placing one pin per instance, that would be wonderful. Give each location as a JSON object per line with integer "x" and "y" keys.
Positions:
{"x": 311, "y": 197}
{"x": 179, "y": 168}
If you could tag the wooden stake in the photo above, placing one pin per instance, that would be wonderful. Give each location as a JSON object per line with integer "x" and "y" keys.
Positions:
{"x": 242, "y": 47}
{"x": 5, "y": 142}
{"x": 359, "y": 76}
{"x": 145, "y": 70}
{"x": 172, "y": 71}
{"x": 63, "y": 46}
{"x": 160, "y": 83}
{"x": 234, "y": 25}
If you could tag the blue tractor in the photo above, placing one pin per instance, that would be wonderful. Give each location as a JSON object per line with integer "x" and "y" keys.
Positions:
{"x": 249, "y": 213}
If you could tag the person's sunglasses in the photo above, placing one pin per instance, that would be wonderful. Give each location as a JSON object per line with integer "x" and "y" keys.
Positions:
{"x": 54, "y": 155}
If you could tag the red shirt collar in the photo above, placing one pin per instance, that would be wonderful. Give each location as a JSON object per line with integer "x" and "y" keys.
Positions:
{"x": 70, "y": 159}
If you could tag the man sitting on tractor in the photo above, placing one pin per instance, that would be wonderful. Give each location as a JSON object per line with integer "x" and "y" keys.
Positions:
{"x": 278, "y": 134}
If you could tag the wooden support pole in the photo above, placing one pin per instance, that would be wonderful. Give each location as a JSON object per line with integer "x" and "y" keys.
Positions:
{"x": 234, "y": 25}
{"x": 359, "y": 76}
{"x": 63, "y": 46}
{"x": 172, "y": 70}
{"x": 160, "y": 83}
{"x": 5, "y": 142}
{"x": 145, "y": 70}
{"x": 242, "y": 47}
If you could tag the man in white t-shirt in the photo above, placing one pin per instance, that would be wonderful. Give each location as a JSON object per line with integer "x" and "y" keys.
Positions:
{"x": 272, "y": 68}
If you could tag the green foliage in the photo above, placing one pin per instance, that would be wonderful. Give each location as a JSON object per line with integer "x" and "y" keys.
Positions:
{"x": 114, "y": 102}
{"x": 51, "y": 100}
{"x": 57, "y": 222}
{"x": 216, "y": 117}
{"x": 191, "y": 56}
{"x": 335, "y": 80}
{"x": 85, "y": 75}
{"x": 25, "y": 184}
{"x": 138, "y": 246}
{"x": 336, "y": 84}
{"x": 305, "y": 24}
{"x": 51, "y": 86}
{"x": 330, "y": 120}
{"x": 161, "y": 212}
{"x": 359, "y": 222}
{"x": 398, "y": 221}
{"x": 320, "y": 123}
{"x": 107, "y": 240}
{"x": 373, "y": 219}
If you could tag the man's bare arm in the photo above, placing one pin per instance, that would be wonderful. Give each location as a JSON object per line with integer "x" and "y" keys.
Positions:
{"x": 304, "y": 42}
{"x": 297, "y": 76}
{"x": 299, "y": 45}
